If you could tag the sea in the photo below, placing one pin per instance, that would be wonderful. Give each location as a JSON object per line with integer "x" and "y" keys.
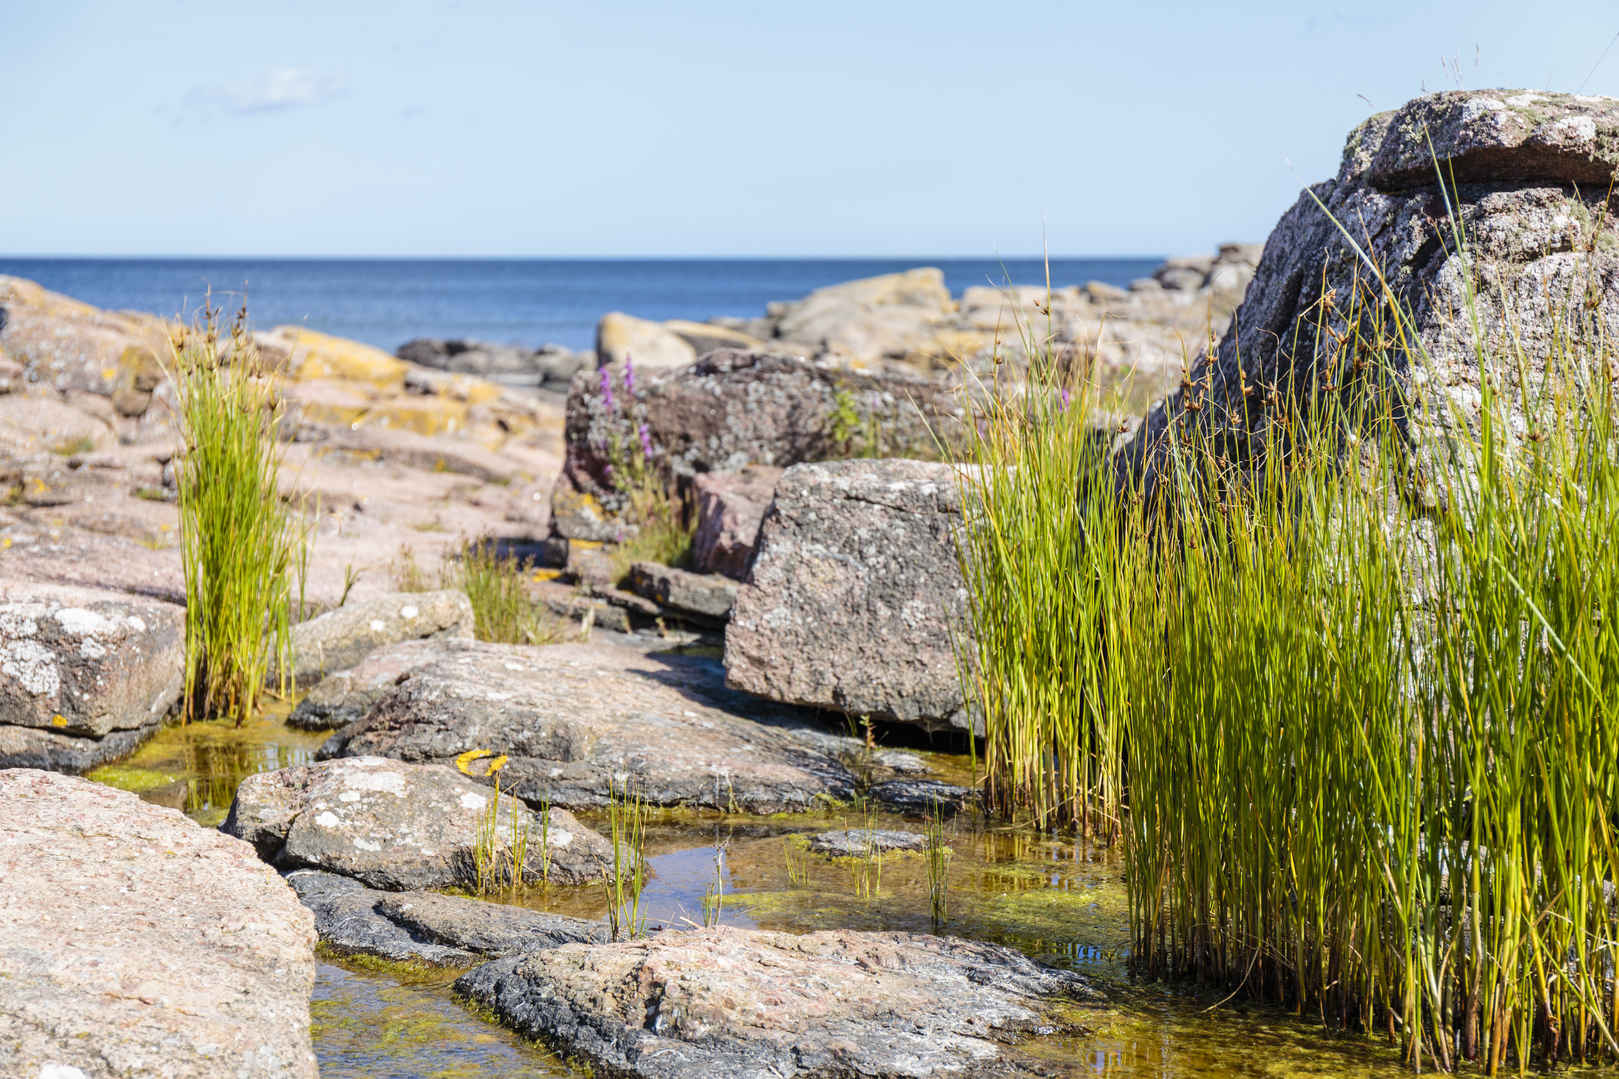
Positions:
{"x": 528, "y": 302}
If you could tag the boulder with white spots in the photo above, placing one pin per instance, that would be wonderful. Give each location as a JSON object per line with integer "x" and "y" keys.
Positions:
{"x": 397, "y": 826}
{"x": 85, "y": 675}
{"x": 337, "y": 640}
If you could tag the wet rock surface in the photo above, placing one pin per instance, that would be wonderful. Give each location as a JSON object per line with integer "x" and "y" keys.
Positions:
{"x": 85, "y": 675}
{"x": 394, "y": 825}
{"x": 855, "y": 595}
{"x": 576, "y": 720}
{"x": 337, "y": 640}
{"x": 754, "y": 1003}
{"x": 734, "y": 408}
{"x": 858, "y": 842}
{"x": 1531, "y": 234}
{"x": 137, "y": 943}
{"x": 443, "y": 930}
{"x": 922, "y": 797}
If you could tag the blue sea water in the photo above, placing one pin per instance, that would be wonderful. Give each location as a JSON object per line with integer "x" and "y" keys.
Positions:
{"x": 385, "y": 302}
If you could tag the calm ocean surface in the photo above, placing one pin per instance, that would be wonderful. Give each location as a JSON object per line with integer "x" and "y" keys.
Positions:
{"x": 386, "y": 302}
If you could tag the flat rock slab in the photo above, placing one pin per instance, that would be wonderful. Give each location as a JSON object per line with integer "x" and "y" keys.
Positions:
{"x": 703, "y": 597}
{"x": 394, "y": 825}
{"x": 855, "y": 599}
{"x": 577, "y": 720}
{"x": 751, "y": 1003}
{"x": 426, "y": 927}
{"x": 85, "y": 675}
{"x": 339, "y": 699}
{"x": 922, "y": 797}
{"x": 337, "y": 640}
{"x": 859, "y": 842}
{"x": 136, "y": 942}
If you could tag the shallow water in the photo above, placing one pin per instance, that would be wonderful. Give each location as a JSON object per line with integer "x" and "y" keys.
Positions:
{"x": 1060, "y": 901}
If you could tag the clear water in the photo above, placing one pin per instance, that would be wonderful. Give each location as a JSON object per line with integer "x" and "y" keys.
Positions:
{"x": 385, "y": 302}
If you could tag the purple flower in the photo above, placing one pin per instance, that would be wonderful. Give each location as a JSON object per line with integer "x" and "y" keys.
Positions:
{"x": 629, "y": 376}
{"x": 1065, "y": 398}
{"x": 607, "y": 390}
{"x": 646, "y": 442}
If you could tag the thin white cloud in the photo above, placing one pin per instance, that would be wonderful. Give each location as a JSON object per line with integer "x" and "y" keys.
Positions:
{"x": 275, "y": 89}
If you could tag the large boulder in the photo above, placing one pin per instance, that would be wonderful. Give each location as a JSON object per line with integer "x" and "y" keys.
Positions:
{"x": 730, "y": 508}
{"x": 752, "y": 1003}
{"x": 393, "y": 825}
{"x": 85, "y": 675}
{"x": 1531, "y": 173}
{"x": 648, "y": 345}
{"x": 426, "y": 927}
{"x": 856, "y": 600}
{"x": 337, "y": 640}
{"x": 733, "y": 409}
{"x": 578, "y": 721}
{"x": 138, "y": 943}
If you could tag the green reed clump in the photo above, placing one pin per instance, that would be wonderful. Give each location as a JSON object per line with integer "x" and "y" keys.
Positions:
{"x": 1369, "y": 754}
{"x": 238, "y": 541}
{"x": 938, "y": 861}
{"x": 622, "y": 885}
{"x": 502, "y": 611}
{"x": 1033, "y": 667}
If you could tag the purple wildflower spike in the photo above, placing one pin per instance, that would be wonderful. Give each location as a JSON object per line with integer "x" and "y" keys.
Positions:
{"x": 646, "y": 442}
{"x": 607, "y": 389}
{"x": 1065, "y": 399}
{"x": 629, "y": 376}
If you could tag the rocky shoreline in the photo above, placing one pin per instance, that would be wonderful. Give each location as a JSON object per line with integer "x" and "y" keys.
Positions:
{"x": 810, "y": 450}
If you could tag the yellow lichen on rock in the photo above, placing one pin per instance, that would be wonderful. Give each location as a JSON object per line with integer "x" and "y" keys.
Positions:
{"x": 315, "y": 355}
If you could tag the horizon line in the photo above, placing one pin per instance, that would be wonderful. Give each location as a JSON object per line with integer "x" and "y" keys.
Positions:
{"x": 907, "y": 256}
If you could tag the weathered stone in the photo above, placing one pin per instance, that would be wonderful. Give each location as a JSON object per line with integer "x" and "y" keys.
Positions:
{"x": 578, "y": 720}
{"x": 1516, "y": 158}
{"x": 859, "y": 842}
{"x": 921, "y": 797}
{"x": 137, "y": 943}
{"x": 339, "y": 699}
{"x": 649, "y": 346}
{"x": 443, "y": 930}
{"x": 706, "y": 596}
{"x": 856, "y": 599}
{"x": 752, "y": 1004}
{"x": 730, "y": 507}
{"x": 78, "y": 666}
{"x": 394, "y": 825}
{"x": 705, "y": 337}
{"x": 337, "y": 640}
{"x": 733, "y": 409}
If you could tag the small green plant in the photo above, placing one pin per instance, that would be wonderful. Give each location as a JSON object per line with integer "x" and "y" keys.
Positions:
{"x": 408, "y": 574}
{"x": 238, "y": 542}
{"x": 626, "y": 820}
{"x": 499, "y": 862}
{"x": 501, "y": 608}
{"x": 938, "y": 860}
{"x": 854, "y": 435}
{"x": 795, "y": 857}
{"x": 714, "y": 894}
{"x": 660, "y": 526}
{"x": 73, "y": 447}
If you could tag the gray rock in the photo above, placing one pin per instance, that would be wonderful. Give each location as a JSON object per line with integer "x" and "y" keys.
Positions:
{"x": 859, "y": 842}
{"x": 730, "y": 508}
{"x": 85, "y": 675}
{"x": 1531, "y": 235}
{"x": 921, "y": 797}
{"x": 577, "y": 719}
{"x": 733, "y": 409}
{"x": 337, "y": 640}
{"x": 707, "y": 596}
{"x": 855, "y": 597}
{"x": 339, "y": 699}
{"x": 394, "y": 825}
{"x": 442, "y": 930}
{"x": 755, "y": 1004}
{"x": 139, "y": 943}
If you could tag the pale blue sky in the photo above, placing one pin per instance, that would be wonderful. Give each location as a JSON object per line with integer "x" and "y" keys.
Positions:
{"x": 721, "y": 127}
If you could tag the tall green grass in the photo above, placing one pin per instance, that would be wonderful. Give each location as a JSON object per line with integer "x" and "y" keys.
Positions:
{"x": 1366, "y": 760}
{"x": 238, "y": 542}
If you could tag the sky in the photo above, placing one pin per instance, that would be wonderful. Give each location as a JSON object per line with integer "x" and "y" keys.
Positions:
{"x": 720, "y": 127}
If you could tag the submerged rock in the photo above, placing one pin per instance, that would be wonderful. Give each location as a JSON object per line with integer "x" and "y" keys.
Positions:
{"x": 337, "y": 640}
{"x": 85, "y": 675}
{"x": 752, "y": 1003}
{"x": 426, "y": 927}
{"x": 136, "y": 942}
{"x": 858, "y": 842}
{"x": 578, "y": 720}
{"x": 921, "y": 797}
{"x": 394, "y": 825}
{"x": 855, "y": 600}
